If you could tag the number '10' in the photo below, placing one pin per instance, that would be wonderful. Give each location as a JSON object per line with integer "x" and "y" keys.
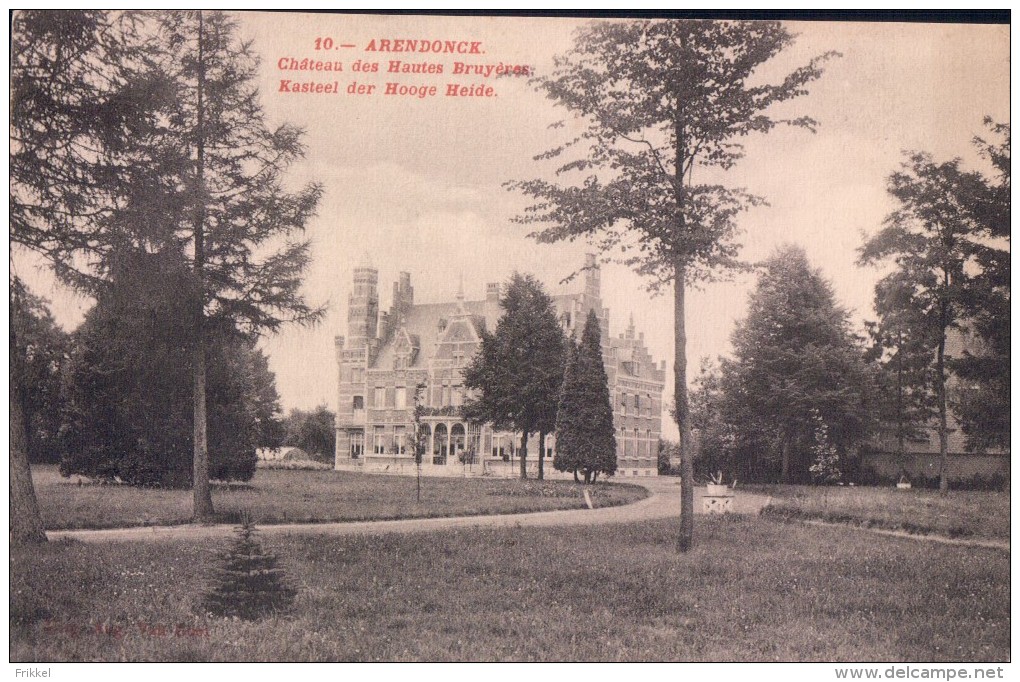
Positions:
{"x": 323, "y": 43}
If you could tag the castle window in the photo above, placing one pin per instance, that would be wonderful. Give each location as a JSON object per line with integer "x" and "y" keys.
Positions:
{"x": 456, "y": 396}
{"x": 401, "y": 397}
{"x": 400, "y": 362}
{"x": 623, "y": 405}
{"x": 400, "y": 439}
{"x": 358, "y": 375}
{"x": 378, "y": 440}
{"x": 458, "y": 359}
{"x": 357, "y": 444}
{"x": 637, "y": 404}
{"x": 359, "y": 402}
{"x": 379, "y": 400}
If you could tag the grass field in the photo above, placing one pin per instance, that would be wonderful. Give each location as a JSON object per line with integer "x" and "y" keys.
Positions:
{"x": 959, "y": 513}
{"x": 753, "y": 589}
{"x": 277, "y": 496}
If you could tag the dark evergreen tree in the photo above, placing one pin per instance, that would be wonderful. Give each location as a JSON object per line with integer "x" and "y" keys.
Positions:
{"x": 128, "y": 396}
{"x": 585, "y": 435}
{"x": 250, "y": 583}
{"x": 797, "y": 380}
{"x": 568, "y": 445}
{"x": 518, "y": 371}
{"x": 662, "y": 102}
{"x": 78, "y": 101}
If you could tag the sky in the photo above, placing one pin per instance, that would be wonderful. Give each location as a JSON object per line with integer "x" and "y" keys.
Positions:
{"x": 416, "y": 184}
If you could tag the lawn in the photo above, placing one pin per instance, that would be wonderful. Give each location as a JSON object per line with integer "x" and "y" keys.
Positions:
{"x": 753, "y": 589}
{"x": 959, "y": 513}
{"x": 278, "y": 496}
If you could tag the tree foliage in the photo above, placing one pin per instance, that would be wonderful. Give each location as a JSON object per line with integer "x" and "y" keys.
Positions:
{"x": 313, "y": 431}
{"x": 979, "y": 398}
{"x": 144, "y": 131}
{"x": 77, "y": 102}
{"x": 797, "y": 386}
{"x": 518, "y": 371}
{"x": 129, "y": 392}
{"x": 250, "y": 583}
{"x": 585, "y": 435}
{"x": 664, "y": 106}
{"x": 953, "y": 274}
{"x": 39, "y": 358}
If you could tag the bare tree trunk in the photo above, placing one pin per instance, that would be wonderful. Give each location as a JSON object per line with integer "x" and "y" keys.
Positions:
{"x": 940, "y": 380}
{"x": 25, "y": 523}
{"x": 203, "y": 507}
{"x": 541, "y": 455}
{"x": 576, "y": 479}
{"x": 683, "y": 421}
{"x": 524, "y": 456}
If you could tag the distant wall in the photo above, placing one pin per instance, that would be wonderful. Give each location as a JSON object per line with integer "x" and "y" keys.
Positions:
{"x": 961, "y": 466}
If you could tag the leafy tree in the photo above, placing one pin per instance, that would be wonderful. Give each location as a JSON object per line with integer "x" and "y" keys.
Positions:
{"x": 660, "y": 100}
{"x": 172, "y": 153}
{"x": 518, "y": 370}
{"x": 585, "y": 436}
{"x": 984, "y": 369}
{"x": 797, "y": 372}
{"x": 931, "y": 239}
{"x": 250, "y": 583}
{"x": 39, "y": 358}
{"x": 128, "y": 388}
{"x": 904, "y": 396}
{"x": 313, "y": 431}
{"x": 715, "y": 436}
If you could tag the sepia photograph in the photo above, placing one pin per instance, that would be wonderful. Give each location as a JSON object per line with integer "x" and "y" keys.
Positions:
{"x": 416, "y": 337}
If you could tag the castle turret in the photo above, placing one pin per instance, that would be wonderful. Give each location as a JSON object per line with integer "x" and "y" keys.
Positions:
{"x": 363, "y": 307}
{"x": 592, "y": 278}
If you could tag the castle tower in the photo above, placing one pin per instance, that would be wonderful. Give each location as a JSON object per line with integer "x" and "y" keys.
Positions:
{"x": 363, "y": 307}
{"x": 592, "y": 278}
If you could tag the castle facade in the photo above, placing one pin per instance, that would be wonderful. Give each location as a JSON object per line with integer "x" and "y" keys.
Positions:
{"x": 386, "y": 355}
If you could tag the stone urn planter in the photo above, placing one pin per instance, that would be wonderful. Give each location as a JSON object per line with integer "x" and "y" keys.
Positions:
{"x": 718, "y": 490}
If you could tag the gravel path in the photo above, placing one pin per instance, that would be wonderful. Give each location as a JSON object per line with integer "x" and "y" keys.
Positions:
{"x": 663, "y": 502}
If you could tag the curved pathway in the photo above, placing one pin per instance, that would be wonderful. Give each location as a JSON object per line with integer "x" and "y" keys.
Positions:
{"x": 663, "y": 502}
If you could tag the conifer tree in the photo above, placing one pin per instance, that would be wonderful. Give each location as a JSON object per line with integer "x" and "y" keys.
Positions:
{"x": 585, "y": 436}
{"x": 250, "y": 583}
{"x": 518, "y": 370}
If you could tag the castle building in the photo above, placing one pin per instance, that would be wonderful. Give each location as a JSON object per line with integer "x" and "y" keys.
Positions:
{"x": 388, "y": 354}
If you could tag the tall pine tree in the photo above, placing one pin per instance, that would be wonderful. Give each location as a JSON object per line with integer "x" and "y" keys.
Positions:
{"x": 585, "y": 435}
